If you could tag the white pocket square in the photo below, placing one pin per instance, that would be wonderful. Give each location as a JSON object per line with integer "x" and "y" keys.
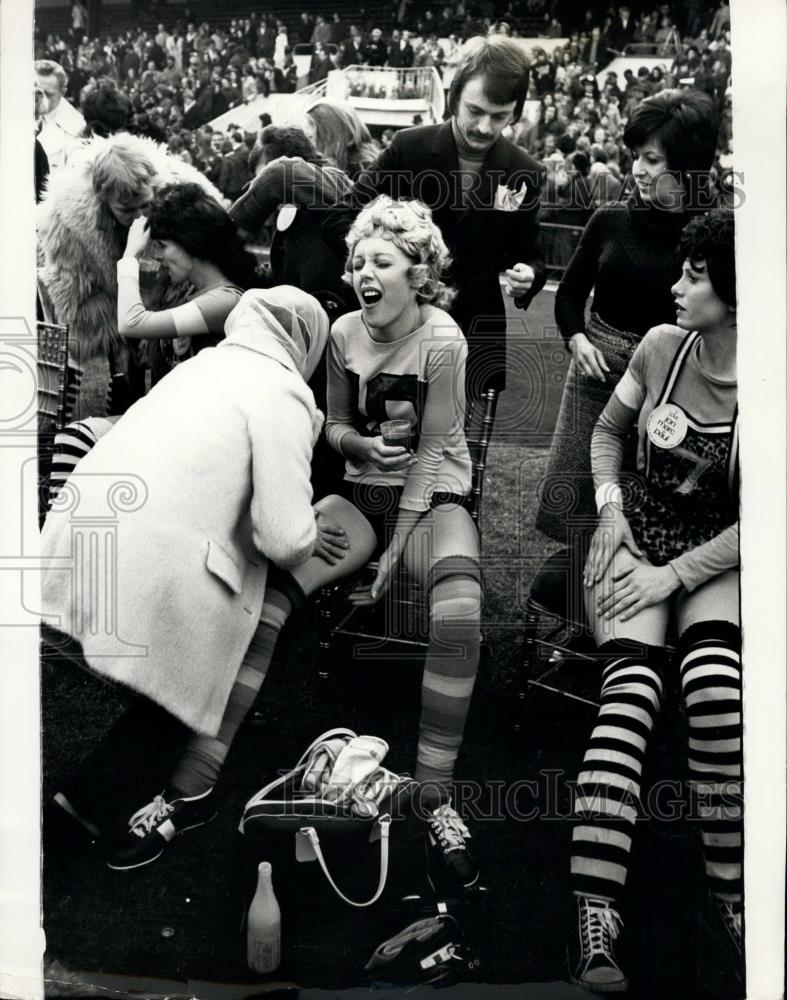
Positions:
{"x": 507, "y": 200}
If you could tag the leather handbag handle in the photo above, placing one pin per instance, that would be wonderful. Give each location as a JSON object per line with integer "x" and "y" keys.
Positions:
{"x": 384, "y": 823}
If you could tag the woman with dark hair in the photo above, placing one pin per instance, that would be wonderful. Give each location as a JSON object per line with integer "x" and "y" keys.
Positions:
{"x": 627, "y": 256}
{"x": 196, "y": 241}
{"x": 198, "y": 246}
{"x": 666, "y": 549}
{"x": 82, "y": 226}
{"x": 106, "y": 109}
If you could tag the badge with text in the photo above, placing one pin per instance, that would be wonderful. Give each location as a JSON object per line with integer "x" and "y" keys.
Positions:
{"x": 667, "y": 426}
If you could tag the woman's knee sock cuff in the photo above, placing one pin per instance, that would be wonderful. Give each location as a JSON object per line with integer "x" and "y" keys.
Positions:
{"x": 700, "y": 633}
{"x": 449, "y": 566}
{"x": 283, "y": 581}
{"x": 633, "y": 649}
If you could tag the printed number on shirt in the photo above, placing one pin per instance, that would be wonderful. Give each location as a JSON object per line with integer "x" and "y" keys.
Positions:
{"x": 392, "y": 397}
{"x": 700, "y": 465}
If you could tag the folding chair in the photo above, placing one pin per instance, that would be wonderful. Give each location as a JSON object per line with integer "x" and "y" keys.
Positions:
{"x": 52, "y": 371}
{"x": 558, "y": 647}
{"x": 560, "y": 658}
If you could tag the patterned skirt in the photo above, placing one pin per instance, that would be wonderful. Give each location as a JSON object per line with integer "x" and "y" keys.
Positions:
{"x": 567, "y": 507}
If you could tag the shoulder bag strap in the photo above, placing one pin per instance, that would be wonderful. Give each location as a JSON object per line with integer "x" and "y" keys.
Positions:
{"x": 314, "y": 839}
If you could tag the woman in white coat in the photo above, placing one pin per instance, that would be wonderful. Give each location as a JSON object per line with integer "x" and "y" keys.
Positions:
{"x": 159, "y": 544}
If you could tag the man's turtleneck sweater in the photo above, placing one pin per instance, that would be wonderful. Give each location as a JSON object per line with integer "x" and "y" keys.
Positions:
{"x": 471, "y": 161}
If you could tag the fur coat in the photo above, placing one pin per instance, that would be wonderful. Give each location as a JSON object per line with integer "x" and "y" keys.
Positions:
{"x": 78, "y": 250}
{"x": 156, "y": 555}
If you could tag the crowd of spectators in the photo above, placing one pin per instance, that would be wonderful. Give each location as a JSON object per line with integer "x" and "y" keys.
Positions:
{"x": 577, "y": 127}
{"x": 169, "y": 83}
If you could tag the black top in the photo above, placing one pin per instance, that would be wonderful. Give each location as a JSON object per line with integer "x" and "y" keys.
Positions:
{"x": 629, "y": 252}
{"x": 41, "y": 170}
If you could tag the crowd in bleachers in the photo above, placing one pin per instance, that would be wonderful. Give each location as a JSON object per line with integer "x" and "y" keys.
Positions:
{"x": 170, "y": 82}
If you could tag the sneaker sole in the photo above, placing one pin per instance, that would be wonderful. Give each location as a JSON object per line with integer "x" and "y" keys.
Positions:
{"x": 621, "y": 987}
{"x": 148, "y": 861}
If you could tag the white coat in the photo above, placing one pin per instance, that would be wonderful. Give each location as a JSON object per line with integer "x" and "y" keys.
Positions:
{"x": 162, "y": 581}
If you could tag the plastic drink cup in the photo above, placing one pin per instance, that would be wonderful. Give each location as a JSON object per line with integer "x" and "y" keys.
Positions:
{"x": 153, "y": 281}
{"x": 396, "y": 433}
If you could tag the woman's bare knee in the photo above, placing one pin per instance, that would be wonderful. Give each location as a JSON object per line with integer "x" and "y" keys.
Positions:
{"x": 361, "y": 540}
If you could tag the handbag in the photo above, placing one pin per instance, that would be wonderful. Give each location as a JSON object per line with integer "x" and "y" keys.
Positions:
{"x": 338, "y": 789}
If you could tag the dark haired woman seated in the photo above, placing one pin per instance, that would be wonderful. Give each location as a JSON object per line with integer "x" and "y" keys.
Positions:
{"x": 196, "y": 241}
{"x": 666, "y": 548}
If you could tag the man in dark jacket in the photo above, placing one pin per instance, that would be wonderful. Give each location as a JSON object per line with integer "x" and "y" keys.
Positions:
{"x": 483, "y": 191}
{"x": 621, "y": 31}
{"x": 234, "y": 173}
{"x": 354, "y": 51}
{"x": 401, "y": 54}
{"x": 321, "y": 64}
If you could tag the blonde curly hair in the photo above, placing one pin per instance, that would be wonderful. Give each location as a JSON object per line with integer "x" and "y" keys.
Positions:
{"x": 409, "y": 226}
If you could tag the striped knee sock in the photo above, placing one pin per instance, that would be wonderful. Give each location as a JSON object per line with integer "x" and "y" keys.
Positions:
{"x": 710, "y": 670}
{"x": 70, "y": 445}
{"x": 451, "y": 665}
{"x": 204, "y": 756}
{"x": 607, "y": 801}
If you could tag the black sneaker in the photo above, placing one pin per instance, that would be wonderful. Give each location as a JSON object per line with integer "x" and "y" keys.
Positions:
{"x": 153, "y": 826}
{"x": 448, "y": 856}
{"x": 592, "y": 963}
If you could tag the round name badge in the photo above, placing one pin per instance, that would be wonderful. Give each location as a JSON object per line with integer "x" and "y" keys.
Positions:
{"x": 284, "y": 219}
{"x": 667, "y": 426}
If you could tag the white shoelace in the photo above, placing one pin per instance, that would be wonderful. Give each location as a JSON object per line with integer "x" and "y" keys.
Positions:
{"x": 144, "y": 819}
{"x": 449, "y": 828}
{"x": 600, "y": 923}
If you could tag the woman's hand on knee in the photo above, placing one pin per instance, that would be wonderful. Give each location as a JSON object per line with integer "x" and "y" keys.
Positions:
{"x": 331, "y": 545}
{"x": 613, "y": 531}
{"x": 635, "y": 588}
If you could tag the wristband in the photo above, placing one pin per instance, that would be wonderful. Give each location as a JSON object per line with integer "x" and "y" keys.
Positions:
{"x": 608, "y": 493}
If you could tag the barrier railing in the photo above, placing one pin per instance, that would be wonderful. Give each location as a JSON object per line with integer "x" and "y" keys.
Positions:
{"x": 558, "y": 243}
{"x": 377, "y": 91}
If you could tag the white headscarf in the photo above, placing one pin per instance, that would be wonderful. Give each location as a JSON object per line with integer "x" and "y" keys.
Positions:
{"x": 283, "y": 323}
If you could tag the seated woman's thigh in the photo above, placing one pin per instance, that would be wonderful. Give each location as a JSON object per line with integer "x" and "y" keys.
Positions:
{"x": 716, "y": 600}
{"x": 446, "y": 530}
{"x": 646, "y": 626}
